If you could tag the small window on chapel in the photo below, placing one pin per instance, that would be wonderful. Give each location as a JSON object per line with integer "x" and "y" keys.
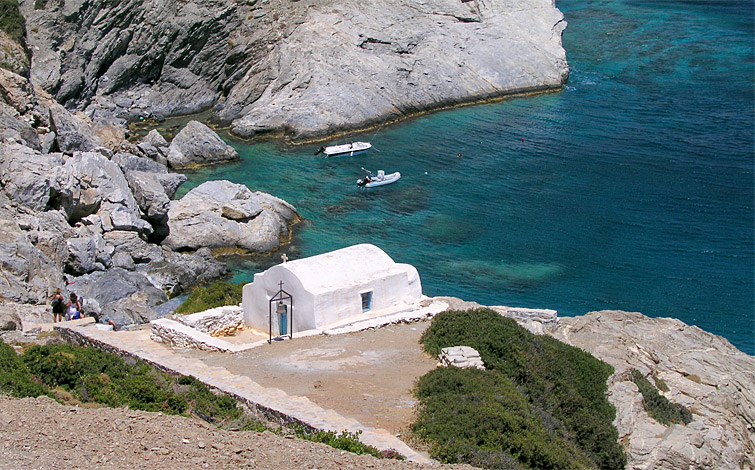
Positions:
{"x": 366, "y": 301}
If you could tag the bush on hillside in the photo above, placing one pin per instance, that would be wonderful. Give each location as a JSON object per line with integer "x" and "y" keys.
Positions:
{"x": 94, "y": 376}
{"x": 658, "y": 406}
{"x": 15, "y": 379}
{"x": 215, "y": 295}
{"x": 564, "y": 386}
{"x": 12, "y": 21}
{"x": 481, "y": 418}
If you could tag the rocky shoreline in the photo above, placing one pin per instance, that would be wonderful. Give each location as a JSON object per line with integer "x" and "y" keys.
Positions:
{"x": 85, "y": 210}
{"x": 88, "y": 212}
{"x": 304, "y": 69}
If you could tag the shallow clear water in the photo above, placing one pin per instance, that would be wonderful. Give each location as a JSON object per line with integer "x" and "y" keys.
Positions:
{"x": 631, "y": 189}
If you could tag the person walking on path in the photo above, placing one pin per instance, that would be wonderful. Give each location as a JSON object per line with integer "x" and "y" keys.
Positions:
{"x": 58, "y": 306}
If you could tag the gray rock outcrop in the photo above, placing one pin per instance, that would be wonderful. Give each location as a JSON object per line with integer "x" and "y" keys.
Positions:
{"x": 73, "y": 134}
{"x": 390, "y": 59}
{"x": 702, "y": 371}
{"x": 26, "y": 273}
{"x": 27, "y": 176}
{"x": 262, "y": 65}
{"x": 221, "y": 214}
{"x": 89, "y": 219}
{"x": 198, "y": 144}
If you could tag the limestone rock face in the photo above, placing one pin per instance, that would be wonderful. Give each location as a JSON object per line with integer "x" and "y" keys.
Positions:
{"x": 27, "y": 176}
{"x": 73, "y": 134}
{"x": 106, "y": 53}
{"x": 704, "y": 372}
{"x": 26, "y": 274}
{"x": 306, "y": 68}
{"x": 221, "y": 214}
{"x": 392, "y": 58}
{"x": 198, "y": 144}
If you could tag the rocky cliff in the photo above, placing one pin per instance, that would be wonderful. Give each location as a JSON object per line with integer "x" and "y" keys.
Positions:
{"x": 305, "y": 68}
{"x": 699, "y": 370}
{"x": 84, "y": 210}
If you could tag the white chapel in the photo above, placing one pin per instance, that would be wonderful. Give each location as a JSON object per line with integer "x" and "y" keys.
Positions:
{"x": 328, "y": 289}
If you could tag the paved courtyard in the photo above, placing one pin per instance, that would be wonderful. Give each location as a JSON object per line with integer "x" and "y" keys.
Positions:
{"x": 367, "y": 375}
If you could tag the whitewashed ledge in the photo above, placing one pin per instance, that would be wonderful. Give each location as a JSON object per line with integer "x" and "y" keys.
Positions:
{"x": 201, "y": 330}
{"x": 219, "y": 321}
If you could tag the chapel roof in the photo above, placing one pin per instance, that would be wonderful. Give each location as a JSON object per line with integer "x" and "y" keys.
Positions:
{"x": 340, "y": 268}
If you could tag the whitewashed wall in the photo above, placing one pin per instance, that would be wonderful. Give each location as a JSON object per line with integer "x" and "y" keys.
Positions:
{"x": 327, "y": 288}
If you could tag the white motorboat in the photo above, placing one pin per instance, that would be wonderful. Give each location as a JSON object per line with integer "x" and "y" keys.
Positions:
{"x": 345, "y": 150}
{"x": 370, "y": 181}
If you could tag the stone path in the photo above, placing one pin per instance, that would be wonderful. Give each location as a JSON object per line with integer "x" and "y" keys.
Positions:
{"x": 272, "y": 400}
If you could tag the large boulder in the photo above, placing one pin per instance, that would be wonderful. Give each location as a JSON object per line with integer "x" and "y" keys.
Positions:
{"x": 197, "y": 144}
{"x": 221, "y": 214}
{"x": 26, "y": 274}
{"x": 113, "y": 285}
{"x": 155, "y": 146}
{"x": 96, "y": 185}
{"x": 130, "y": 163}
{"x": 701, "y": 371}
{"x": 17, "y": 130}
{"x": 152, "y": 199}
{"x": 73, "y": 133}
{"x": 135, "y": 309}
{"x": 131, "y": 245}
{"x": 29, "y": 177}
{"x": 48, "y": 232}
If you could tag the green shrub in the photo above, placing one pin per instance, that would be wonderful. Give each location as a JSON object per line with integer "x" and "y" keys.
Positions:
{"x": 92, "y": 375}
{"x": 11, "y": 20}
{"x": 481, "y": 418}
{"x": 15, "y": 379}
{"x": 206, "y": 404}
{"x": 658, "y": 406}
{"x": 215, "y": 295}
{"x": 344, "y": 441}
{"x": 564, "y": 386}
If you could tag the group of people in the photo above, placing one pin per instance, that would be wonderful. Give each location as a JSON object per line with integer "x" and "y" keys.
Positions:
{"x": 70, "y": 310}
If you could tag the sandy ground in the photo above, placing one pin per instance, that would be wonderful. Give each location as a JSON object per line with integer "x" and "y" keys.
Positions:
{"x": 367, "y": 375}
{"x": 39, "y": 433}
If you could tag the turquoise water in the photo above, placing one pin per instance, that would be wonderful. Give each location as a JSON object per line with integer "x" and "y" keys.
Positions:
{"x": 631, "y": 189}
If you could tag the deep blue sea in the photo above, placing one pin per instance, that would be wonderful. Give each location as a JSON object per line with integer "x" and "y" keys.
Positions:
{"x": 630, "y": 189}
